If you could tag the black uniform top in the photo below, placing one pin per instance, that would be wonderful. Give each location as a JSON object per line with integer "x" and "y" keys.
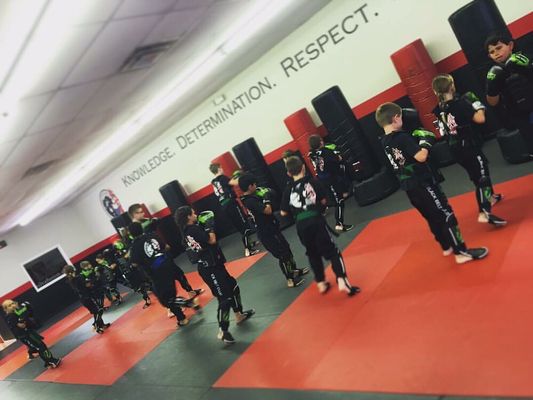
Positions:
{"x": 87, "y": 283}
{"x": 23, "y": 314}
{"x": 326, "y": 163}
{"x": 455, "y": 123}
{"x": 223, "y": 189}
{"x": 146, "y": 249}
{"x": 401, "y": 148}
{"x": 255, "y": 205}
{"x": 198, "y": 247}
{"x": 303, "y": 198}
{"x": 517, "y": 92}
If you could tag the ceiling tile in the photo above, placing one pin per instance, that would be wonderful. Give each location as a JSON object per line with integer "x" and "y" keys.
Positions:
{"x": 111, "y": 48}
{"x": 134, "y": 8}
{"x": 22, "y": 117}
{"x": 92, "y": 11}
{"x": 187, "y": 4}
{"x": 77, "y": 40}
{"x": 27, "y": 150}
{"x": 5, "y": 150}
{"x": 114, "y": 91}
{"x": 175, "y": 24}
{"x": 64, "y": 106}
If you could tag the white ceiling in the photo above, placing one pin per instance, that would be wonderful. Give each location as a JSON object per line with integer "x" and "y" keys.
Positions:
{"x": 81, "y": 97}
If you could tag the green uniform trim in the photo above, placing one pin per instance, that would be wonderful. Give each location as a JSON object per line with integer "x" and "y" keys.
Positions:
{"x": 307, "y": 214}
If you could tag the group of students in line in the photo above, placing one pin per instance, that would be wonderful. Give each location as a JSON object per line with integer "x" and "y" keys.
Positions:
{"x": 306, "y": 198}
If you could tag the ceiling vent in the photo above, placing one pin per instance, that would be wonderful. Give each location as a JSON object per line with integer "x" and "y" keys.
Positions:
{"x": 146, "y": 56}
{"x": 37, "y": 169}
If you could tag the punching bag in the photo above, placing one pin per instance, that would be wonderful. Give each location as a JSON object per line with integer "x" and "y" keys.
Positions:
{"x": 345, "y": 131}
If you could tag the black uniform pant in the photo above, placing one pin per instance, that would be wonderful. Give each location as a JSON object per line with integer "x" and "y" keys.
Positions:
{"x": 337, "y": 188}
{"x": 432, "y": 203}
{"x": 225, "y": 288}
{"x": 95, "y": 305}
{"x": 240, "y": 221}
{"x": 35, "y": 344}
{"x": 179, "y": 276}
{"x": 476, "y": 165}
{"x": 274, "y": 241}
{"x": 318, "y": 244}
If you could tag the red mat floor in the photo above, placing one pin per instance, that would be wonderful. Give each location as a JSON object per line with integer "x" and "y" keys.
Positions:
{"x": 422, "y": 324}
{"x": 128, "y": 340}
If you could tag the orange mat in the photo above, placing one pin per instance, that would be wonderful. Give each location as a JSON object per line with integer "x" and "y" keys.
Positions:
{"x": 128, "y": 340}
{"x": 422, "y": 323}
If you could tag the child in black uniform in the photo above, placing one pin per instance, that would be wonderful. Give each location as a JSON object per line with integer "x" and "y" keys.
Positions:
{"x": 511, "y": 81}
{"x": 330, "y": 171}
{"x": 222, "y": 186}
{"x": 148, "y": 251}
{"x": 306, "y": 199}
{"x": 22, "y": 323}
{"x": 204, "y": 251}
{"x": 259, "y": 203}
{"x": 408, "y": 157}
{"x": 109, "y": 271}
{"x": 134, "y": 277}
{"x": 87, "y": 282}
{"x": 455, "y": 118}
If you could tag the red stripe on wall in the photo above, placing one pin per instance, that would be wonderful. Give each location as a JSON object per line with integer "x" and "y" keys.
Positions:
{"x": 518, "y": 28}
{"x": 522, "y": 26}
{"x": 277, "y": 154}
{"x": 94, "y": 248}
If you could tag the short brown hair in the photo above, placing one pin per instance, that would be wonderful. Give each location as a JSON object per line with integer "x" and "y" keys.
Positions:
{"x": 314, "y": 142}
{"x": 294, "y": 165}
{"x": 214, "y": 167}
{"x": 133, "y": 208}
{"x": 386, "y": 112}
{"x": 85, "y": 263}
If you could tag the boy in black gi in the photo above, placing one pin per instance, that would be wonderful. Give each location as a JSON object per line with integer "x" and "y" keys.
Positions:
{"x": 109, "y": 271}
{"x": 456, "y": 118}
{"x": 87, "y": 282}
{"x": 148, "y": 251}
{"x": 408, "y": 156}
{"x": 330, "y": 171}
{"x": 259, "y": 203}
{"x": 22, "y": 323}
{"x": 204, "y": 251}
{"x": 222, "y": 187}
{"x": 306, "y": 199}
{"x": 510, "y": 82}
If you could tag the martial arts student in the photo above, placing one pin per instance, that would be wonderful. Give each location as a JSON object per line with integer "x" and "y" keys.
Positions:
{"x": 109, "y": 272}
{"x": 87, "y": 284}
{"x": 306, "y": 200}
{"x": 510, "y": 83}
{"x": 21, "y": 321}
{"x": 329, "y": 170}
{"x": 222, "y": 187}
{"x": 204, "y": 251}
{"x": 456, "y": 119}
{"x": 148, "y": 251}
{"x": 408, "y": 156}
{"x": 259, "y": 203}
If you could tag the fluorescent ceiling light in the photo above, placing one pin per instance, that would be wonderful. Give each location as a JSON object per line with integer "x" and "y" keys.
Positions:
{"x": 258, "y": 17}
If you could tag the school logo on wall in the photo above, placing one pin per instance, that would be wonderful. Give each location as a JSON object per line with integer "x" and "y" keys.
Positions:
{"x": 111, "y": 203}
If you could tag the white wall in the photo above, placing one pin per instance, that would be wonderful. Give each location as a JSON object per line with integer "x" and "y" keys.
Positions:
{"x": 62, "y": 226}
{"x": 359, "y": 63}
